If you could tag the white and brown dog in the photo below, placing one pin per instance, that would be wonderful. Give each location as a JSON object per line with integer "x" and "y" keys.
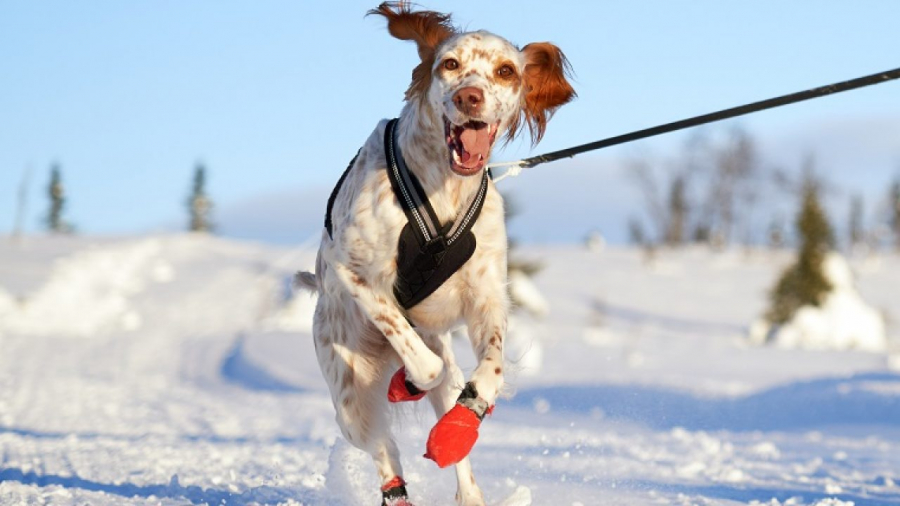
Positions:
{"x": 469, "y": 89}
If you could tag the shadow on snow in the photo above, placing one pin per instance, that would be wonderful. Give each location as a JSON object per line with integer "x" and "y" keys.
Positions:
{"x": 870, "y": 398}
{"x": 172, "y": 490}
{"x": 240, "y": 370}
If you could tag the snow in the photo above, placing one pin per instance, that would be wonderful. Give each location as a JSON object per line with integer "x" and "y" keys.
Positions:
{"x": 179, "y": 370}
{"x": 843, "y": 321}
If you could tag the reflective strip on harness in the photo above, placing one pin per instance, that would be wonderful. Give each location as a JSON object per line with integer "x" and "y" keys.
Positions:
{"x": 427, "y": 252}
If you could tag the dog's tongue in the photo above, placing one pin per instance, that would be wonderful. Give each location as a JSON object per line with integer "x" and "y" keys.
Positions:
{"x": 475, "y": 141}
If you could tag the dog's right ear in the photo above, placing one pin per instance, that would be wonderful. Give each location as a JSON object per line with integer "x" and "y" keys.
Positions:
{"x": 426, "y": 28}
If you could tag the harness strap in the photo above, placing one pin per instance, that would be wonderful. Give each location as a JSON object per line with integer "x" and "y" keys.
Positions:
{"x": 334, "y": 193}
{"x": 415, "y": 204}
{"x": 428, "y": 253}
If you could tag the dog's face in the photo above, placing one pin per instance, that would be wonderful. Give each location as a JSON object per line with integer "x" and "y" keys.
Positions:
{"x": 478, "y": 84}
{"x": 477, "y": 89}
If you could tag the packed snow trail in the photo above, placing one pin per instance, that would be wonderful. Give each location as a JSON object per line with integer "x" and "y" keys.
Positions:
{"x": 178, "y": 370}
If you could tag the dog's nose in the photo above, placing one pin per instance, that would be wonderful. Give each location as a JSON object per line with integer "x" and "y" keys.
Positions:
{"x": 468, "y": 100}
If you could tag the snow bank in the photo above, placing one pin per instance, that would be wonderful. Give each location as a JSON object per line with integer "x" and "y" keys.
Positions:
{"x": 296, "y": 315}
{"x": 88, "y": 292}
{"x": 844, "y": 321}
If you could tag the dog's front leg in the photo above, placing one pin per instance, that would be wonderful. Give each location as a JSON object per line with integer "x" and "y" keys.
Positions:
{"x": 423, "y": 368}
{"x": 455, "y": 434}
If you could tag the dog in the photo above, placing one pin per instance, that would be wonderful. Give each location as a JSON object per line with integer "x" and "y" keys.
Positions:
{"x": 469, "y": 90}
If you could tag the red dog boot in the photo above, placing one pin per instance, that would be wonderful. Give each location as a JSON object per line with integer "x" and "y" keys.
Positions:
{"x": 393, "y": 493}
{"x": 455, "y": 434}
{"x": 401, "y": 389}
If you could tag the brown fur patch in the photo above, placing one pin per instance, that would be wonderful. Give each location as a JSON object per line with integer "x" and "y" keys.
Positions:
{"x": 347, "y": 380}
{"x": 481, "y": 53}
{"x": 427, "y": 29}
{"x": 387, "y": 320}
{"x": 546, "y": 70}
{"x": 358, "y": 280}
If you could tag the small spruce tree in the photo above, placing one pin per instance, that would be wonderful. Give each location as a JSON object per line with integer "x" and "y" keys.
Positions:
{"x": 199, "y": 204}
{"x": 57, "y": 194}
{"x": 894, "y": 218}
{"x": 804, "y": 283}
{"x": 678, "y": 212}
{"x": 857, "y": 233}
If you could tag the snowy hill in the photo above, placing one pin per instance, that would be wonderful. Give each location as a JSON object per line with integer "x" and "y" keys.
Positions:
{"x": 180, "y": 370}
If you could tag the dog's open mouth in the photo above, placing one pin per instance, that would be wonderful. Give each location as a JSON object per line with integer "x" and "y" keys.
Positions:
{"x": 469, "y": 145}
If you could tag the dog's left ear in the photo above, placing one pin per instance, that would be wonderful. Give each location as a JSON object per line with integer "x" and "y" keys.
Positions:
{"x": 426, "y": 28}
{"x": 546, "y": 85}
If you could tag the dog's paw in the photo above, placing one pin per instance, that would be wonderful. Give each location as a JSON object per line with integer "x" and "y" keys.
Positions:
{"x": 426, "y": 374}
{"x": 453, "y": 437}
{"x": 402, "y": 390}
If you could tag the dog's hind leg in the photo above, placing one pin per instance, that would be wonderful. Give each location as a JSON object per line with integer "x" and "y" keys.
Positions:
{"x": 355, "y": 359}
{"x": 443, "y": 398}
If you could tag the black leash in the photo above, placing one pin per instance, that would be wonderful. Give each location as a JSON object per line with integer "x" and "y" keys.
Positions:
{"x": 709, "y": 118}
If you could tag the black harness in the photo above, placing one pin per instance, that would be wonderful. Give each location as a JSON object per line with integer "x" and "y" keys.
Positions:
{"x": 428, "y": 253}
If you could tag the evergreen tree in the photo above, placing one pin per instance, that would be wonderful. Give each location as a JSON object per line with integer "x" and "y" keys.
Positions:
{"x": 894, "y": 201}
{"x": 804, "y": 283}
{"x": 199, "y": 204}
{"x": 856, "y": 230}
{"x": 57, "y": 194}
{"x": 636, "y": 234}
{"x": 678, "y": 212}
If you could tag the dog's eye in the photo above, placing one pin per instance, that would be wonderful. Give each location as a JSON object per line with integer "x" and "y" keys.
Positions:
{"x": 506, "y": 71}
{"x": 451, "y": 64}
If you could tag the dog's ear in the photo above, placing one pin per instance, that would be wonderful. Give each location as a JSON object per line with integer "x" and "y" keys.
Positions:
{"x": 426, "y": 28}
{"x": 546, "y": 85}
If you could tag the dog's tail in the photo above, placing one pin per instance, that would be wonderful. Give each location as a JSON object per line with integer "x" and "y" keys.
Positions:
{"x": 304, "y": 280}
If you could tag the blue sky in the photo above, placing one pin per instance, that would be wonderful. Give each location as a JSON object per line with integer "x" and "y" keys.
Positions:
{"x": 276, "y": 96}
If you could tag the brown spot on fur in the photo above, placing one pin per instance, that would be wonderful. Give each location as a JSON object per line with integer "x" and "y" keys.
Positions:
{"x": 347, "y": 380}
{"x": 387, "y": 332}
{"x": 358, "y": 280}
{"x": 497, "y": 370}
{"x": 387, "y": 320}
{"x": 480, "y": 53}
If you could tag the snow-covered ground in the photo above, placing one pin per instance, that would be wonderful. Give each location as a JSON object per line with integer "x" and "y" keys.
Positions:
{"x": 178, "y": 370}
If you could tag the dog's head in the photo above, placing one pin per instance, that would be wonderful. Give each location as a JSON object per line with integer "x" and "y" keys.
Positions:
{"x": 478, "y": 84}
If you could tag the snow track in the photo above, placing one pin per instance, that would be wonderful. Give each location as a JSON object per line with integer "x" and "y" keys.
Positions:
{"x": 175, "y": 370}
